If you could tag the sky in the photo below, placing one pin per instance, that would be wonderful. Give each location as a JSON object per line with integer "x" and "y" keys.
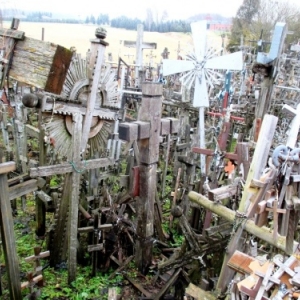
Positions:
{"x": 131, "y": 8}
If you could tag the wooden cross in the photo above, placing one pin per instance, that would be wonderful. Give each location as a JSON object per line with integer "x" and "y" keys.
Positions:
{"x": 80, "y": 135}
{"x": 283, "y": 267}
{"x": 37, "y": 257}
{"x": 32, "y": 281}
{"x": 146, "y": 131}
{"x": 254, "y": 285}
{"x": 96, "y": 246}
{"x": 267, "y": 84}
{"x": 274, "y": 208}
{"x": 7, "y": 234}
{"x": 140, "y": 45}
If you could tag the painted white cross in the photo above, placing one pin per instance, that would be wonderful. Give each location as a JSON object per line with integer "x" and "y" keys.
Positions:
{"x": 201, "y": 71}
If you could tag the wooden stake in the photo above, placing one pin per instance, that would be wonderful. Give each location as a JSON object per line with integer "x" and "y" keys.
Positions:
{"x": 7, "y": 234}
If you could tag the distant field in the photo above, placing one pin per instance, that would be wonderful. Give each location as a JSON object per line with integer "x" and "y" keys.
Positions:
{"x": 79, "y": 36}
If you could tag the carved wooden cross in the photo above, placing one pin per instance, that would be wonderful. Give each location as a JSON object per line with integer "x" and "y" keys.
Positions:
{"x": 146, "y": 131}
{"x": 80, "y": 135}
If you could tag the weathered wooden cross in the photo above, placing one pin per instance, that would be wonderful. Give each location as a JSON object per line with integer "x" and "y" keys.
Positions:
{"x": 147, "y": 131}
{"x": 140, "y": 45}
{"x": 82, "y": 121}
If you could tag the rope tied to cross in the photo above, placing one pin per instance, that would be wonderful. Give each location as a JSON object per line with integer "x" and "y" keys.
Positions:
{"x": 76, "y": 169}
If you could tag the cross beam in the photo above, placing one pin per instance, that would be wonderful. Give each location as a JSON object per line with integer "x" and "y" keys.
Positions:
{"x": 262, "y": 233}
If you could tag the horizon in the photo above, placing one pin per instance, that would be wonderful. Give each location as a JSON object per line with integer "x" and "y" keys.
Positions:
{"x": 129, "y": 8}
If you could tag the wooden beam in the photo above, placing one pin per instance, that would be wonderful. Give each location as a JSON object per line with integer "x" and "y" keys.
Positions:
{"x": 46, "y": 64}
{"x": 22, "y": 189}
{"x": 262, "y": 233}
{"x": 68, "y": 168}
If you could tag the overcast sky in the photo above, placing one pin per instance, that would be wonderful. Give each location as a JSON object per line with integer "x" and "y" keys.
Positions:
{"x": 131, "y": 8}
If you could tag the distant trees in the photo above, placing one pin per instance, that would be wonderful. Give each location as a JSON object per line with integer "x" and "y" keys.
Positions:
{"x": 153, "y": 21}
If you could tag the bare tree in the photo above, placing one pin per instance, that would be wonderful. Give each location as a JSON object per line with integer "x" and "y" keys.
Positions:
{"x": 149, "y": 18}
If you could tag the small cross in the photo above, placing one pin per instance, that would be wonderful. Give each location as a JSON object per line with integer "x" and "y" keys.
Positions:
{"x": 32, "y": 281}
{"x": 275, "y": 211}
{"x": 36, "y": 258}
{"x": 258, "y": 280}
{"x": 283, "y": 268}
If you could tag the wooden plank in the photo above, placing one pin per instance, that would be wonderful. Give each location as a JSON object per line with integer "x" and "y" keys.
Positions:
{"x": 67, "y": 168}
{"x": 11, "y": 33}
{"x": 262, "y": 233}
{"x": 22, "y": 189}
{"x": 240, "y": 262}
{"x": 99, "y": 56}
{"x": 197, "y": 293}
{"x": 257, "y": 167}
{"x": 74, "y": 199}
{"x": 150, "y": 111}
{"x": 7, "y": 167}
{"x": 46, "y": 64}
{"x": 138, "y": 286}
{"x": 167, "y": 285}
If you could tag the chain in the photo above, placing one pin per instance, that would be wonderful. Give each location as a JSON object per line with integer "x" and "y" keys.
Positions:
{"x": 237, "y": 222}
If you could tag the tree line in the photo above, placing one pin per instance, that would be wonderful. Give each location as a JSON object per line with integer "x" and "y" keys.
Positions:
{"x": 150, "y": 23}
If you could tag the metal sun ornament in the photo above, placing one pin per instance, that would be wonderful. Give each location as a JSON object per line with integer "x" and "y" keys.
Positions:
{"x": 201, "y": 67}
{"x": 201, "y": 70}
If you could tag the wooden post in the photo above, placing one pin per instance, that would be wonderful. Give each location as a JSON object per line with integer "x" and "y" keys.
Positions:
{"x": 74, "y": 199}
{"x": 262, "y": 233}
{"x": 7, "y": 233}
{"x": 150, "y": 111}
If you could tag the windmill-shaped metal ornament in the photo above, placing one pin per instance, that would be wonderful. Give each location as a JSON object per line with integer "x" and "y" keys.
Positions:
{"x": 200, "y": 69}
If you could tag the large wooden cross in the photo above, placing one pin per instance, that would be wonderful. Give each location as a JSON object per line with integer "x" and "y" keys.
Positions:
{"x": 146, "y": 131}
{"x": 140, "y": 45}
{"x": 80, "y": 134}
